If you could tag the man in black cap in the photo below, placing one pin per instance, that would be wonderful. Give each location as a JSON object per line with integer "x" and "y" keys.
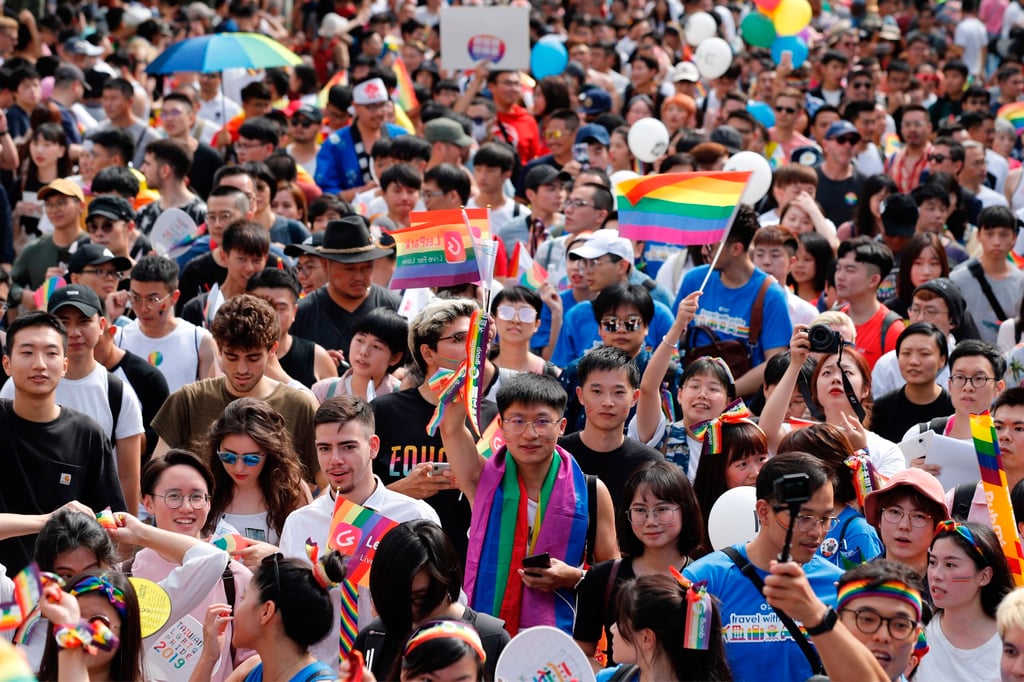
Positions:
{"x": 96, "y": 266}
{"x": 899, "y": 221}
{"x": 303, "y": 128}
{"x": 111, "y": 223}
{"x": 68, "y": 90}
{"x": 326, "y": 316}
{"x": 88, "y": 387}
{"x": 52, "y": 454}
{"x": 839, "y": 183}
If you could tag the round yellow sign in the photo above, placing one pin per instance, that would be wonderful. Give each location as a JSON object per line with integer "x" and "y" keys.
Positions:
{"x": 154, "y": 605}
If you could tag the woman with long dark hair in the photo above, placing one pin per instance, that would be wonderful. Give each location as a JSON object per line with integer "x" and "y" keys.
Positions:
{"x": 416, "y": 578}
{"x": 809, "y": 272}
{"x": 867, "y": 218}
{"x": 923, "y": 259}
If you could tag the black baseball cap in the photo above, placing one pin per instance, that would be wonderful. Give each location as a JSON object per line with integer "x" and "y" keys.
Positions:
{"x": 96, "y": 254}
{"x": 77, "y": 296}
{"x": 113, "y": 207}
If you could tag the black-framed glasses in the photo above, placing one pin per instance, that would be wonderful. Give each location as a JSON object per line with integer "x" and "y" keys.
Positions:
{"x": 105, "y": 274}
{"x": 526, "y": 314}
{"x": 576, "y": 203}
{"x": 894, "y": 515}
{"x": 661, "y": 514}
{"x": 805, "y": 523}
{"x": 250, "y": 460}
{"x": 175, "y": 499}
{"x": 457, "y": 337}
{"x": 977, "y": 381}
{"x": 868, "y": 622}
{"x": 630, "y": 324}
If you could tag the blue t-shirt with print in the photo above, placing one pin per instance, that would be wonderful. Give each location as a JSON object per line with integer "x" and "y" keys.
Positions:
{"x": 852, "y": 542}
{"x": 757, "y": 644}
{"x": 727, "y": 311}
{"x": 580, "y": 332}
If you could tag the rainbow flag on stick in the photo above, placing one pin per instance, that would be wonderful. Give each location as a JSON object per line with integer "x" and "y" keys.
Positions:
{"x": 528, "y": 272}
{"x": 406, "y": 94}
{"x": 1014, "y": 113}
{"x": 356, "y": 530}
{"x": 680, "y": 208}
{"x": 437, "y": 250}
{"x": 997, "y": 492}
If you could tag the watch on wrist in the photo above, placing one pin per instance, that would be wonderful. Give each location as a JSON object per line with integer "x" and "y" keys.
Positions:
{"x": 826, "y": 625}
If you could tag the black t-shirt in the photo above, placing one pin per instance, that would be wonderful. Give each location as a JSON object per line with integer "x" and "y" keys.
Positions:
{"x": 402, "y": 418}
{"x": 613, "y": 467}
{"x": 893, "y": 414}
{"x": 374, "y": 638}
{"x": 50, "y": 464}
{"x": 595, "y": 614}
{"x": 839, "y": 199}
{"x": 205, "y": 162}
{"x": 299, "y": 361}
{"x": 320, "y": 320}
{"x": 151, "y": 388}
{"x": 201, "y": 273}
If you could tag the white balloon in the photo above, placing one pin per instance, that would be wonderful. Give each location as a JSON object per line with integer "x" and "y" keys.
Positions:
{"x": 733, "y": 518}
{"x": 761, "y": 180}
{"x": 700, "y": 27}
{"x": 648, "y": 139}
{"x": 713, "y": 57}
{"x": 618, "y": 176}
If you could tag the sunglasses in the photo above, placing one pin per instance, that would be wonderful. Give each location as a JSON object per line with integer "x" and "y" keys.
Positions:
{"x": 303, "y": 123}
{"x": 847, "y": 139}
{"x": 937, "y": 158}
{"x": 249, "y": 460}
{"x": 105, "y": 227}
{"x": 861, "y": 85}
{"x": 951, "y": 526}
{"x": 630, "y": 324}
{"x": 787, "y": 110}
{"x": 508, "y": 313}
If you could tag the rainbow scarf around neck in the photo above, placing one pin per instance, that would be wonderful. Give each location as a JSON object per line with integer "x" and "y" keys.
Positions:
{"x": 499, "y": 538}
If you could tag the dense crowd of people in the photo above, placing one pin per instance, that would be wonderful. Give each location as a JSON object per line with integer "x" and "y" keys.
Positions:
{"x": 204, "y": 356}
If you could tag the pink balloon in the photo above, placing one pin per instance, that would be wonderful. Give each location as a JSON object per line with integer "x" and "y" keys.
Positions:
{"x": 805, "y": 34}
{"x": 767, "y": 6}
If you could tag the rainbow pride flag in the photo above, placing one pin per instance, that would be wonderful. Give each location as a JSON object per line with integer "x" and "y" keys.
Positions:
{"x": 27, "y": 588}
{"x": 355, "y": 531}
{"x": 1014, "y": 113}
{"x": 406, "y": 94}
{"x": 436, "y": 250}
{"x": 491, "y": 440}
{"x": 997, "y": 492}
{"x": 680, "y": 208}
{"x": 528, "y": 272}
{"x": 41, "y": 296}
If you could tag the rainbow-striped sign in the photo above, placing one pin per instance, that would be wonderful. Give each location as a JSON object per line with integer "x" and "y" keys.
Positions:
{"x": 355, "y": 531}
{"x": 436, "y": 250}
{"x": 997, "y": 492}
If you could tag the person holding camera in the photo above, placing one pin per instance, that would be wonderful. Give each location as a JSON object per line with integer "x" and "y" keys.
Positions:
{"x": 841, "y": 391}
{"x": 795, "y": 511}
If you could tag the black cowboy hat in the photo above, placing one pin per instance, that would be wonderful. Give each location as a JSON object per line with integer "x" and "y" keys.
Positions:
{"x": 349, "y": 241}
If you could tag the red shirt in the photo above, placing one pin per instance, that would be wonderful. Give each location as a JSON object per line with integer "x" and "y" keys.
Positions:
{"x": 528, "y": 142}
{"x": 869, "y": 341}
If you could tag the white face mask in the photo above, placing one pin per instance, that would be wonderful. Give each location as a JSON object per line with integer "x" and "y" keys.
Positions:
{"x": 481, "y": 131}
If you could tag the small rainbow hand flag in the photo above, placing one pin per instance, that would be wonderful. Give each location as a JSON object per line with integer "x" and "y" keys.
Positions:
{"x": 28, "y": 586}
{"x": 41, "y": 296}
{"x": 475, "y": 363}
{"x": 106, "y": 519}
{"x": 491, "y": 440}
{"x": 680, "y": 208}
{"x": 528, "y": 272}
{"x": 997, "y": 492}
{"x": 406, "y": 94}
{"x": 437, "y": 250}
{"x": 1014, "y": 113}
{"x": 233, "y": 543}
{"x": 356, "y": 530}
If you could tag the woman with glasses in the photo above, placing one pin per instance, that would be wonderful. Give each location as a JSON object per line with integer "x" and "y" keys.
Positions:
{"x": 662, "y": 527}
{"x": 967, "y": 576}
{"x": 257, "y": 476}
{"x": 176, "y": 492}
{"x": 286, "y": 609}
{"x": 516, "y": 313}
{"x": 905, "y": 513}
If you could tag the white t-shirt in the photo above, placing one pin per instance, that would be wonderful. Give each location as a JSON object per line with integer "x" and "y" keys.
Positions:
{"x": 219, "y": 110}
{"x": 88, "y": 395}
{"x": 886, "y": 376}
{"x": 869, "y": 162}
{"x": 972, "y": 36}
{"x": 800, "y": 311}
{"x": 946, "y": 662}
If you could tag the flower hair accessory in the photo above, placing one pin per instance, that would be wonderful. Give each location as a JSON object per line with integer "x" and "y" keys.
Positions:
{"x": 102, "y": 584}
{"x": 313, "y": 552}
{"x": 711, "y": 429}
{"x": 697, "y": 612}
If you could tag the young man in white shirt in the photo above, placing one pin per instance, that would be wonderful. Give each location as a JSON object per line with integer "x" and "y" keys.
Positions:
{"x": 346, "y": 445}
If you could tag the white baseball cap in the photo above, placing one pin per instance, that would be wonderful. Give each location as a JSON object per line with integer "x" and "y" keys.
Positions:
{"x": 606, "y": 241}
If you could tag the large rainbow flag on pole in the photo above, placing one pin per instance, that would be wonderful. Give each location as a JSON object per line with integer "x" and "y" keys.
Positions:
{"x": 680, "y": 208}
{"x": 997, "y": 492}
{"x": 437, "y": 250}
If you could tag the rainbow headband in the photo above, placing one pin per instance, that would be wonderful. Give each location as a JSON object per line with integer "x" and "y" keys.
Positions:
{"x": 102, "y": 584}
{"x": 892, "y": 589}
{"x": 448, "y": 629}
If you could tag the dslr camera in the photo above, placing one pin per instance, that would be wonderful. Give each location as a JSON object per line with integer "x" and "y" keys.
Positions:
{"x": 824, "y": 340}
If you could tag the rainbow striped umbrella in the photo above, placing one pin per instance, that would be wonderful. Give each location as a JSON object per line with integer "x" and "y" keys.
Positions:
{"x": 221, "y": 51}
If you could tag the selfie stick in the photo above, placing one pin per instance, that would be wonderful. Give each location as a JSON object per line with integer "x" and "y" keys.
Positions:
{"x": 794, "y": 510}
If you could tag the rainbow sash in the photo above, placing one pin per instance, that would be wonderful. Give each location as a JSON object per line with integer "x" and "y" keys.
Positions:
{"x": 499, "y": 539}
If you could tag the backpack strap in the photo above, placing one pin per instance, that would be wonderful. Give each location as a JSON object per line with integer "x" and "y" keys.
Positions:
{"x": 591, "y": 519}
{"x": 228, "y": 578}
{"x": 938, "y": 425}
{"x": 748, "y": 570}
{"x": 887, "y": 321}
{"x": 963, "y": 496}
{"x": 757, "y": 314}
{"x": 115, "y": 392}
{"x": 979, "y": 274}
